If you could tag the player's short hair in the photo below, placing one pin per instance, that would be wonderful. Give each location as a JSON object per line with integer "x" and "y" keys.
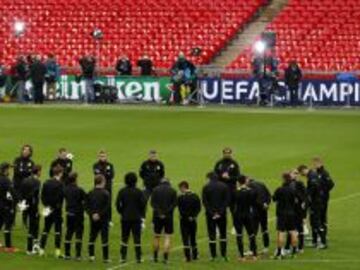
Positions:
{"x": 57, "y": 169}
{"x": 184, "y": 184}
{"x": 287, "y": 177}
{"x": 72, "y": 177}
{"x": 101, "y": 151}
{"x": 227, "y": 150}
{"x": 62, "y": 150}
{"x": 130, "y": 179}
{"x": 27, "y": 146}
{"x": 317, "y": 159}
{"x": 211, "y": 176}
{"x": 302, "y": 168}
{"x": 99, "y": 179}
{"x": 36, "y": 169}
{"x": 152, "y": 152}
{"x": 242, "y": 179}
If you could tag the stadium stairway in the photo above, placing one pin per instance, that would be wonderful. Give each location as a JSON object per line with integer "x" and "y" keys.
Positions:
{"x": 247, "y": 36}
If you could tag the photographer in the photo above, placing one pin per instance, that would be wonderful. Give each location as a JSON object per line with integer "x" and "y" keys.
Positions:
{"x": 87, "y": 64}
{"x": 123, "y": 66}
{"x": 52, "y": 75}
{"x": 293, "y": 76}
{"x": 146, "y": 66}
{"x": 184, "y": 78}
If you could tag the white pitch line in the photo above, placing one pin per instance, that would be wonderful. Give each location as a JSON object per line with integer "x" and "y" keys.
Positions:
{"x": 339, "y": 199}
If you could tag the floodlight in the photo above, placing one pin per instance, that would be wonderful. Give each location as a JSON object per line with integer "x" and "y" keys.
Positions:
{"x": 19, "y": 28}
{"x": 260, "y": 46}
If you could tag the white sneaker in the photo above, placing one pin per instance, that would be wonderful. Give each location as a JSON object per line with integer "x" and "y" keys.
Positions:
{"x": 248, "y": 253}
{"x": 41, "y": 252}
{"x": 265, "y": 251}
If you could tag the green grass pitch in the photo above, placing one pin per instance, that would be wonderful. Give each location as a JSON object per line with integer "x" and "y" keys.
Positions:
{"x": 189, "y": 141}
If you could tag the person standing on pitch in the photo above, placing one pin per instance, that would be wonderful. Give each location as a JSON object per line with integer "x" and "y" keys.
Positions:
{"x": 23, "y": 166}
{"x": 105, "y": 168}
{"x": 152, "y": 171}
{"x": 131, "y": 204}
{"x": 52, "y": 197}
{"x": 263, "y": 200}
{"x": 7, "y": 206}
{"x": 216, "y": 199}
{"x": 285, "y": 199}
{"x": 300, "y": 210}
{"x": 30, "y": 191}
{"x": 189, "y": 205}
{"x": 243, "y": 208}
{"x": 97, "y": 206}
{"x": 228, "y": 170}
{"x": 163, "y": 202}
{"x": 65, "y": 162}
{"x": 327, "y": 185}
{"x": 75, "y": 198}
{"x": 316, "y": 200}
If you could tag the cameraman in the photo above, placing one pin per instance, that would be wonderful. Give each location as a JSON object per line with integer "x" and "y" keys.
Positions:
{"x": 87, "y": 64}
{"x": 184, "y": 78}
{"x": 123, "y": 66}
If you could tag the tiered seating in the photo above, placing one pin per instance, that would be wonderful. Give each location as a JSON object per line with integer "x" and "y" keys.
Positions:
{"x": 320, "y": 35}
{"x": 159, "y": 28}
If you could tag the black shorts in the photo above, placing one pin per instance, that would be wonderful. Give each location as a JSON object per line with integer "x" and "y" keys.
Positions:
{"x": 286, "y": 223}
{"x": 163, "y": 225}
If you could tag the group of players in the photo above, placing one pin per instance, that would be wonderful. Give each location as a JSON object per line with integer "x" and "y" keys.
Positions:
{"x": 227, "y": 191}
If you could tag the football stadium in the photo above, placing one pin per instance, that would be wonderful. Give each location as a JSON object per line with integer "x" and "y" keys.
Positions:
{"x": 179, "y": 134}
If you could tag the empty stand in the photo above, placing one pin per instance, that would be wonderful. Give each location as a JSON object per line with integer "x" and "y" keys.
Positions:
{"x": 159, "y": 28}
{"x": 320, "y": 35}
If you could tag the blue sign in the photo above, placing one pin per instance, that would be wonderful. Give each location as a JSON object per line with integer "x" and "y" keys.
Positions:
{"x": 317, "y": 92}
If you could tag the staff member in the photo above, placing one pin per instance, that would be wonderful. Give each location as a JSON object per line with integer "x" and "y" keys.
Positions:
{"x": 216, "y": 199}
{"x": 30, "y": 190}
{"x": 7, "y": 205}
{"x": 105, "y": 168}
{"x": 65, "y": 162}
{"x": 97, "y": 206}
{"x": 52, "y": 197}
{"x": 130, "y": 204}
{"x": 227, "y": 169}
{"x": 285, "y": 200}
{"x": 38, "y": 71}
{"x": 189, "y": 205}
{"x": 293, "y": 76}
{"x": 152, "y": 171}
{"x": 163, "y": 202}
{"x": 75, "y": 198}
{"x": 243, "y": 210}
{"x": 263, "y": 201}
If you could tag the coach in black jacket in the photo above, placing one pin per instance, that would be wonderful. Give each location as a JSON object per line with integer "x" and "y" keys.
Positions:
{"x": 130, "y": 204}
{"x": 216, "y": 199}
{"x": 293, "y": 76}
{"x": 189, "y": 205}
{"x": 163, "y": 202}
{"x": 38, "y": 71}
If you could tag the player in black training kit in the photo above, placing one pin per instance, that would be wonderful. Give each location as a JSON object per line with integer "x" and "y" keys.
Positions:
{"x": 7, "y": 205}
{"x": 130, "y": 204}
{"x": 300, "y": 210}
{"x": 52, "y": 197}
{"x": 216, "y": 200}
{"x": 97, "y": 206}
{"x": 189, "y": 205}
{"x": 228, "y": 170}
{"x": 23, "y": 166}
{"x": 263, "y": 200}
{"x": 152, "y": 171}
{"x": 30, "y": 197}
{"x": 327, "y": 185}
{"x": 285, "y": 199}
{"x": 65, "y": 163}
{"x": 104, "y": 167}
{"x": 316, "y": 198}
{"x": 243, "y": 209}
{"x": 75, "y": 198}
{"x": 163, "y": 202}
